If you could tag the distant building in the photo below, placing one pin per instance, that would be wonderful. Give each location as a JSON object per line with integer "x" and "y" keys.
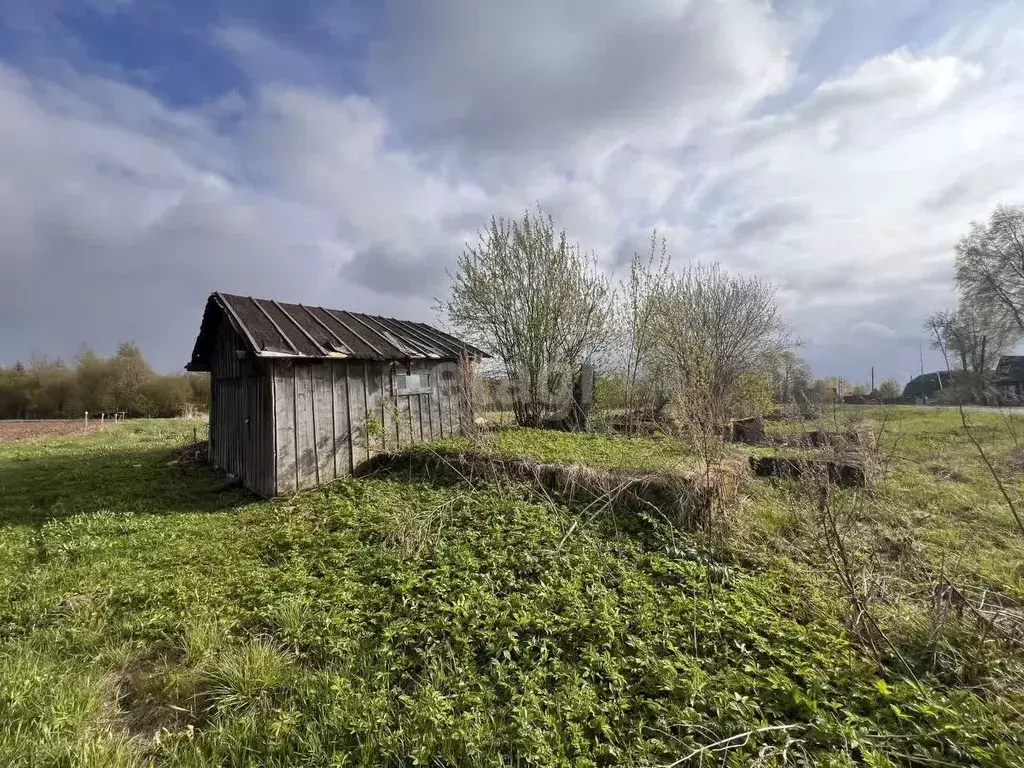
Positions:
{"x": 302, "y": 395}
{"x": 926, "y": 387}
{"x": 1009, "y": 378}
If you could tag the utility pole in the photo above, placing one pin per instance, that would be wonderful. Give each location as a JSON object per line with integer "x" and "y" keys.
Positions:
{"x": 872, "y": 378}
{"x": 920, "y": 351}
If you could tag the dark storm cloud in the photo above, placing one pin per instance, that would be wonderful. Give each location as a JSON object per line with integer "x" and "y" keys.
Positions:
{"x": 391, "y": 272}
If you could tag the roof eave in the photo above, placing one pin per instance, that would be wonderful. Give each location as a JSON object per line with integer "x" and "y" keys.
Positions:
{"x": 270, "y": 353}
{"x": 412, "y": 340}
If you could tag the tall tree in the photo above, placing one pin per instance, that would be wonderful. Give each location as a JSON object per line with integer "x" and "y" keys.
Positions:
{"x": 54, "y": 388}
{"x": 825, "y": 389}
{"x": 95, "y": 381}
{"x": 49, "y": 389}
{"x": 990, "y": 265}
{"x": 972, "y": 338}
{"x": 14, "y": 392}
{"x": 537, "y": 302}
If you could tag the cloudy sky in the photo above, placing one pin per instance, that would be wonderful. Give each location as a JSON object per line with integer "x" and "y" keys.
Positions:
{"x": 340, "y": 153}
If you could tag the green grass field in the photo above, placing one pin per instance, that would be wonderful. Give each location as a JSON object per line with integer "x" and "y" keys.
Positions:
{"x": 146, "y": 619}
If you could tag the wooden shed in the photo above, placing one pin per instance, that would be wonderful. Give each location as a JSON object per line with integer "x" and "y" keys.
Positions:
{"x": 302, "y": 395}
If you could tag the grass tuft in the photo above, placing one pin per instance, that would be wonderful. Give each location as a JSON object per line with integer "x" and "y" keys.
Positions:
{"x": 244, "y": 676}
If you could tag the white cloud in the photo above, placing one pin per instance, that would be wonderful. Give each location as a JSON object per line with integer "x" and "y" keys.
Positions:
{"x": 899, "y": 82}
{"x": 267, "y": 61}
{"x": 120, "y": 213}
{"x": 335, "y": 154}
{"x": 909, "y": 128}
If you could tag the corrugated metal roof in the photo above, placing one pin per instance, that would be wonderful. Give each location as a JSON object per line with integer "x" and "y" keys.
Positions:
{"x": 277, "y": 329}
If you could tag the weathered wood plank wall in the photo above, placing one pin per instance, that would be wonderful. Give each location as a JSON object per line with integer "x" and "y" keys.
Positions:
{"x": 331, "y": 416}
{"x": 241, "y": 421}
{"x": 305, "y": 427}
{"x": 342, "y": 434}
{"x": 389, "y": 407}
{"x": 356, "y": 411}
{"x": 324, "y": 423}
{"x": 373, "y": 425}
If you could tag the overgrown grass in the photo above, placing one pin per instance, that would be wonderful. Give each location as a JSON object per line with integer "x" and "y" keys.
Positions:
{"x": 938, "y": 494}
{"x": 145, "y": 620}
{"x": 938, "y": 498}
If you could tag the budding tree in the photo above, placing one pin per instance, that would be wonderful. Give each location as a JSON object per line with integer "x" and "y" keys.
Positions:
{"x": 640, "y": 295}
{"x": 719, "y": 334}
{"x": 537, "y": 302}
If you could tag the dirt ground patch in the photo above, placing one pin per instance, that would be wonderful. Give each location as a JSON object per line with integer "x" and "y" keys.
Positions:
{"x": 35, "y": 428}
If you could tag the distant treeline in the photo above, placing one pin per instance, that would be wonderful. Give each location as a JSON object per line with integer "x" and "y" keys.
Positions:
{"x": 52, "y": 389}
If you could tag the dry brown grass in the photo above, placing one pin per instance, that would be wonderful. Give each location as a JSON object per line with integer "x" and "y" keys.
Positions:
{"x": 688, "y": 500}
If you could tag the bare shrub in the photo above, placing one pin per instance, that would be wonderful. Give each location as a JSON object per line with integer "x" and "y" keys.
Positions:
{"x": 718, "y": 335}
{"x": 790, "y": 377}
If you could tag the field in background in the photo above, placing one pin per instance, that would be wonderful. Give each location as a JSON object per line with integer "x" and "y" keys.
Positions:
{"x": 13, "y": 429}
{"x": 147, "y": 619}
